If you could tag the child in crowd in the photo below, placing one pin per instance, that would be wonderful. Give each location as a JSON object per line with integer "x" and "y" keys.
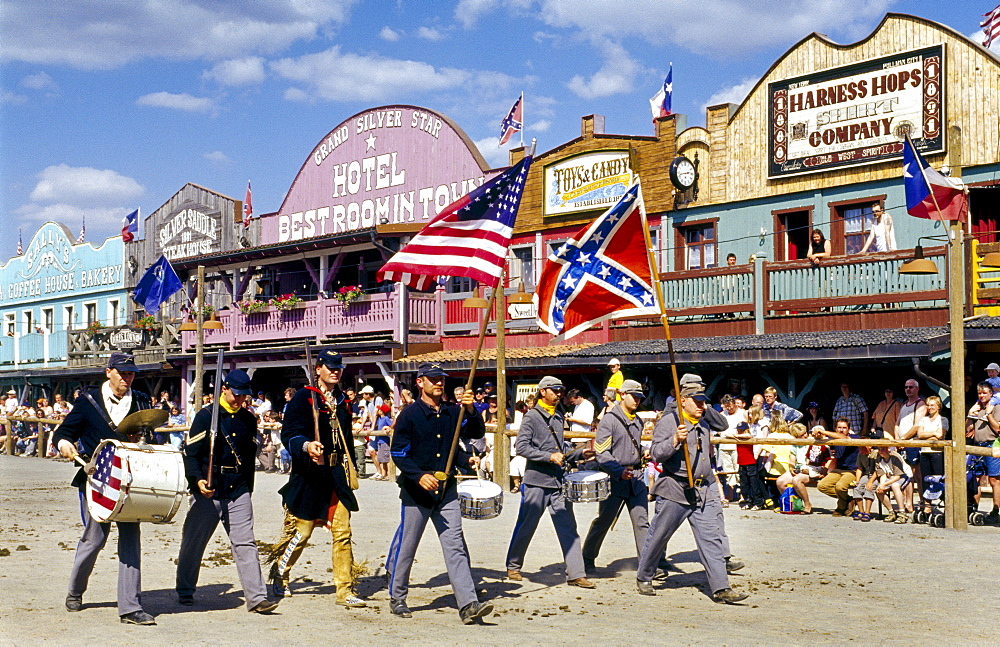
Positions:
{"x": 751, "y": 487}
{"x": 893, "y": 475}
{"x": 379, "y": 445}
{"x": 865, "y": 477}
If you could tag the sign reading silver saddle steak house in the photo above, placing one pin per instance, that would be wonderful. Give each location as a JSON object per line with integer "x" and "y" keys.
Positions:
{"x": 388, "y": 165}
{"x": 857, "y": 114}
{"x": 586, "y": 182}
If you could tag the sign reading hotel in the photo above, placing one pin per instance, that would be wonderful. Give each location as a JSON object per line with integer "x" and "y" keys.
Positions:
{"x": 388, "y": 165}
{"x": 857, "y": 114}
{"x": 586, "y": 182}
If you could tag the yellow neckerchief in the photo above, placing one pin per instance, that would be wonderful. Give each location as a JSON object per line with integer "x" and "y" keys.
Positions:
{"x": 549, "y": 409}
{"x": 693, "y": 421}
{"x": 225, "y": 405}
{"x": 629, "y": 416}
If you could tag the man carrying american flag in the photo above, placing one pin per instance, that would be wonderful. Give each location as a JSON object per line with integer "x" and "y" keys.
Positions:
{"x": 93, "y": 419}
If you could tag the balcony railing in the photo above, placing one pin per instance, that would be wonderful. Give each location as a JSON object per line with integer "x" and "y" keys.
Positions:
{"x": 371, "y": 315}
{"x": 33, "y": 350}
{"x": 89, "y": 349}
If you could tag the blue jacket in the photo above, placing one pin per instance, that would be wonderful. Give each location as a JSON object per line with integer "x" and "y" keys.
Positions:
{"x": 236, "y": 431}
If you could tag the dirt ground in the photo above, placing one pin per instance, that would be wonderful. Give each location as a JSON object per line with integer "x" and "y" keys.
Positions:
{"x": 812, "y": 579}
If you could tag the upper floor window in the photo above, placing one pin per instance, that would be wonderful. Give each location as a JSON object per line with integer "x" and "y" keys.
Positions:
{"x": 698, "y": 242}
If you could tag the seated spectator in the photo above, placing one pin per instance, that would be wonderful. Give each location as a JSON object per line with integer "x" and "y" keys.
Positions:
{"x": 893, "y": 477}
{"x": 817, "y": 458}
{"x": 60, "y": 407}
{"x": 813, "y": 416}
{"x": 840, "y": 478}
{"x": 176, "y": 419}
{"x": 932, "y": 426}
{"x": 788, "y": 464}
{"x": 865, "y": 476}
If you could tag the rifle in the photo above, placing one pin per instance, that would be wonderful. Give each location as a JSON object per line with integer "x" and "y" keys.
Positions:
{"x": 311, "y": 370}
{"x": 215, "y": 418}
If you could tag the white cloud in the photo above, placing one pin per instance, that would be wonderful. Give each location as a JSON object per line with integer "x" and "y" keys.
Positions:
{"x": 84, "y": 187}
{"x": 614, "y": 77}
{"x": 732, "y": 94}
{"x": 430, "y": 33}
{"x": 97, "y": 217}
{"x": 495, "y": 156}
{"x": 333, "y": 76}
{"x": 468, "y": 12}
{"x": 390, "y": 34}
{"x": 85, "y": 34}
{"x": 217, "y": 156}
{"x": 978, "y": 37}
{"x": 39, "y": 81}
{"x": 182, "y": 101}
{"x": 712, "y": 27}
{"x": 235, "y": 72}
{"x": 12, "y": 98}
{"x": 539, "y": 126}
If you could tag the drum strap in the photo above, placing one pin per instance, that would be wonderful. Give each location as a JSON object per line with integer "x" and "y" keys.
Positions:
{"x": 104, "y": 414}
{"x": 638, "y": 450}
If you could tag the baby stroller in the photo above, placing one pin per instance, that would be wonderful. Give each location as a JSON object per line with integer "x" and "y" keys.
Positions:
{"x": 933, "y": 495}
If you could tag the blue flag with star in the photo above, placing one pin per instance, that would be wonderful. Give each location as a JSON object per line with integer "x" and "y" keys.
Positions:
{"x": 157, "y": 284}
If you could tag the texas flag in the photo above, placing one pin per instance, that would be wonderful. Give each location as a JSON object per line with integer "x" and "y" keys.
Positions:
{"x": 130, "y": 226}
{"x": 928, "y": 193}
{"x": 659, "y": 105}
{"x": 600, "y": 272}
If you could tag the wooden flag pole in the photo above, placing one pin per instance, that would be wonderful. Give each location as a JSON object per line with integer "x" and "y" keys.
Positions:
{"x": 653, "y": 267}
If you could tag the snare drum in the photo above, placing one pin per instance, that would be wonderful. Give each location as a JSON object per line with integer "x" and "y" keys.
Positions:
{"x": 134, "y": 483}
{"x": 479, "y": 499}
{"x": 586, "y": 486}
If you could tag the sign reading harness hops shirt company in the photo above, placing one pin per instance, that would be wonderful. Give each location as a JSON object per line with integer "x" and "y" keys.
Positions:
{"x": 857, "y": 114}
{"x": 389, "y": 165}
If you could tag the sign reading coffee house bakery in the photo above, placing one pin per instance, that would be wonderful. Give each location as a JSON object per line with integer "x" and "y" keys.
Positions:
{"x": 857, "y": 114}
{"x": 388, "y": 165}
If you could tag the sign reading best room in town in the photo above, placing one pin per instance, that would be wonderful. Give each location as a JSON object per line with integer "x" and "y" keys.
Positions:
{"x": 857, "y": 114}
{"x": 388, "y": 165}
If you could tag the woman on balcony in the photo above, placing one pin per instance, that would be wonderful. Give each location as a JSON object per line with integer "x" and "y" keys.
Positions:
{"x": 819, "y": 248}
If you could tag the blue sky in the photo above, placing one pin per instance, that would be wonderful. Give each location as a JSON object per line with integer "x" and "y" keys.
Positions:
{"x": 106, "y": 106}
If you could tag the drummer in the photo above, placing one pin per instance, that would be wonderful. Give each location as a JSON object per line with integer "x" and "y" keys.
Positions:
{"x": 228, "y": 496}
{"x": 94, "y": 418}
{"x": 420, "y": 446}
{"x": 540, "y": 441}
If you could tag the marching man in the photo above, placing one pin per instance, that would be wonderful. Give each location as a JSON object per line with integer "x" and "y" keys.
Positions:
{"x": 228, "y": 498}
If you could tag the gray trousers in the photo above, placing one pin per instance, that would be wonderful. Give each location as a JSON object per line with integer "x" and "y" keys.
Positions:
{"x": 708, "y": 536}
{"x": 607, "y": 510}
{"x": 237, "y": 518}
{"x": 447, "y": 519}
{"x": 95, "y": 535}
{"x": 534, "y": 500}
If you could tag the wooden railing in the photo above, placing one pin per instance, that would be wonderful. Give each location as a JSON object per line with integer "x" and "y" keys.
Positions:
{"x": 90, "y": 349}
{"x": 35, "y": 349}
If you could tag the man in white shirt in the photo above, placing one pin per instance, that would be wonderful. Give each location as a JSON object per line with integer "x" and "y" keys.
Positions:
{"x": 583, "y": 412}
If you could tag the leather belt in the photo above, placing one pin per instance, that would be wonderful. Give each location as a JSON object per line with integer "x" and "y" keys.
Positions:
{"x": 226, "y": 469}
{"x": 698, "y": 480}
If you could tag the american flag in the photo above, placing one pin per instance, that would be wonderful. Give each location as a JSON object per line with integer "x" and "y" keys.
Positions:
{"x": 991, "y": 26}
{"x": 513, "y": 122}
{"x": 600, "y": 272}
{"x": 247, "y": 208}
{"x": 20, "y": 244}
{"x": 106, "y": 483}
{"x": 468, "y": 238}
{"x": 83, "y": 231}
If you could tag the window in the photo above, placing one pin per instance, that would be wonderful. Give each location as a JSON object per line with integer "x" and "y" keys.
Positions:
{"x": 791, "y": 233}
{"x": 48, "y": 319}
{"x": 68, "y": 317}
{"x": 457, "y": 284}
{"x": 91, "y": 312}
{"x": 851, "y": 220}
{"x": 113, "y": 312}
{"x": 9, "y": 324}
{"x": 522, "y": 266}
{"x": 696, "y": 245}
{"x": 29, "y": 321}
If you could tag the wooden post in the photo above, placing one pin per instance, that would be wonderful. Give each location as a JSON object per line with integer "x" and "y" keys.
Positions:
{"x": 9, "y": 440}
{"x": 956, "y": 498}
{"x": 40, "y": 447}
{"x": 501, "y": 446}
{"x": 199, "y": 349}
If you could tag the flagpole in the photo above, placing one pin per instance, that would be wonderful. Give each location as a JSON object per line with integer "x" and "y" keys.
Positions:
{"x": 654, "y": 269}
{"x": 521, "y": 132}
{"x": 443, "y": 476}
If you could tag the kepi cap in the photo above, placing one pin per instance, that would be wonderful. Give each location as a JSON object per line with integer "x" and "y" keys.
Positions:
{"x": 330, "y": 359}
{"x": 694, "y": 390}
{"x": 431, "y": 369}
{"x": 691, "y": 378}
{"x": 122, "y": 361}
{"x": 549, "y": 382}
{"x": 238, "y": 382}
{"x": 631, "y": 386}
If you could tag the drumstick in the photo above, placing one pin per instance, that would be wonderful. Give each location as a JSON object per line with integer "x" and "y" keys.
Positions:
{"x": 87, "y": 467}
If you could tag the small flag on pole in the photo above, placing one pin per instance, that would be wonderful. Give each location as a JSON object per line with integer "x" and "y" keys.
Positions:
{"x": 20, "y": 245}
{"x": 602, "y": 271}
{"x": 247, "y": 208}
{"x": 468, "y": 238}
{"x": 513, "y": 122}
{"x": 991, "y": 26}
{"x": 659, "y": 105}
{"x": 928, "y": 193}
{"x": 83, "y": 231}
{"x": 157, "y": 284}
{"x": 130, "y": 226}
